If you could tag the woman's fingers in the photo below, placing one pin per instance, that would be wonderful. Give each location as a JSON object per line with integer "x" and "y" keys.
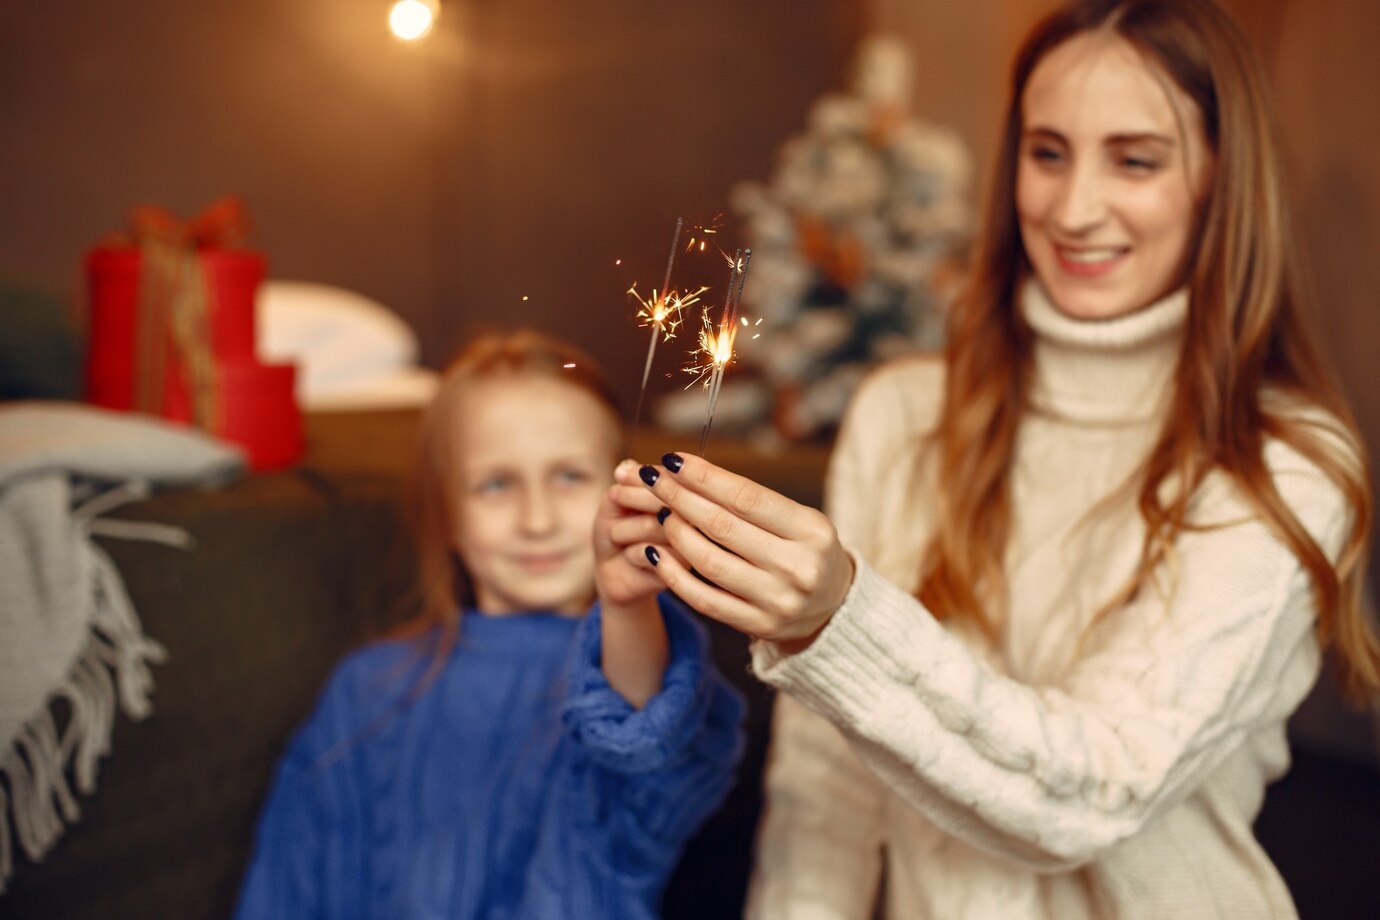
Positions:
{"x": 771, "y": 511}
{"x": 637, "y": 555}
{"x": 708, "y": 599}
{"x": 730, "y": 572}
{"x": 763, "y": 552}
{"x": 718, "y": 523}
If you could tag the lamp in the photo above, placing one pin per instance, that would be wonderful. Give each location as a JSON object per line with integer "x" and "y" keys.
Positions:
{"x": 411, "y": 20}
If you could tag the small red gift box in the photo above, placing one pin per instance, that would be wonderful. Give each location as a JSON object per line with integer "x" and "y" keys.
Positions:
{"x": 171, "y": 318}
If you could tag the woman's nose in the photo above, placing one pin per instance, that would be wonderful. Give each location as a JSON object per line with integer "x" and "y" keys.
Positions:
{"x": 1081, "y": 204}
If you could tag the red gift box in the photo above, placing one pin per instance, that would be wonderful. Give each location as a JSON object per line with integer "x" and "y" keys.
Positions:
{"x": 171, "y": 319}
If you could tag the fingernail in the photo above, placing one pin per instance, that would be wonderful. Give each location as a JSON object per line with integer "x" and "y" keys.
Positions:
{"x": 652, "y": 555}
{"x": 673, "y": 462}
{"x": 649, "y": 475}
{"x": 662, "y": 515}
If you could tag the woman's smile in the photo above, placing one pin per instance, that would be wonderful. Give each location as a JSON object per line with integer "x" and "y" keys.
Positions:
{"x": 1090, "y": 262}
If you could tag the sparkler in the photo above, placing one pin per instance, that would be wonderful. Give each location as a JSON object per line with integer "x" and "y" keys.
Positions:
{"x": 662, "y": 313}
{"x": 716, "y": 345}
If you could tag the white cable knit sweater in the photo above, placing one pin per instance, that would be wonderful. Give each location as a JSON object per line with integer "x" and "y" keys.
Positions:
{"x": 1023, "y": 778}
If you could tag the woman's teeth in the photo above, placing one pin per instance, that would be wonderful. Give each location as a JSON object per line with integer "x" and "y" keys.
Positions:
{"x": 1090, "y": 256}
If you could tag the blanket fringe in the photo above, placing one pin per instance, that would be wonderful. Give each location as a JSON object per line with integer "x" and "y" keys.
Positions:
{"x": 113, "y": 665}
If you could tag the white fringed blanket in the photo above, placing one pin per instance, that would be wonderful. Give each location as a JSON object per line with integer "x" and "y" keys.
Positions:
{"x": 67, "y": 628}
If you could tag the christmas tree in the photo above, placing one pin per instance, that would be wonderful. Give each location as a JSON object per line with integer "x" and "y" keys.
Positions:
{"x": 856, "y": 240}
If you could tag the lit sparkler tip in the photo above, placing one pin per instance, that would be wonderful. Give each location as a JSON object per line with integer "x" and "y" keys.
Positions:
{"x": 568, "y": 366}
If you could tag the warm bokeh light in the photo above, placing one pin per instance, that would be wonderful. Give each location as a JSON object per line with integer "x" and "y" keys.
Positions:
{"x": 411, "y": 19}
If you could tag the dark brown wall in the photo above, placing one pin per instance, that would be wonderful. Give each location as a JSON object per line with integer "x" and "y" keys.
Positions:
{"x": 518, "y": 151}
{"x": 308, "y": 109}
{"x": 580, "y": 131}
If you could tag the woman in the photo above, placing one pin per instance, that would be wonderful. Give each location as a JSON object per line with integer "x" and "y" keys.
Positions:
{"x": 1084, "y": 565}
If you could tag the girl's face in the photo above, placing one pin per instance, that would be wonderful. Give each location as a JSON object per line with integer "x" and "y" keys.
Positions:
{"x": 534, "y": 458}
{"x": 1113, "y": 167}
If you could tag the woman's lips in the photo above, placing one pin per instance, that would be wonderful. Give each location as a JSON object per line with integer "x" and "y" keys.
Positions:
{"x": 1090, "y": 261}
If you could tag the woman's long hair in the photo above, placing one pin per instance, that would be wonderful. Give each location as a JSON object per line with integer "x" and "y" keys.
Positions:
{"x": 443, "y": 584}
{"x": 1247, "y": 334}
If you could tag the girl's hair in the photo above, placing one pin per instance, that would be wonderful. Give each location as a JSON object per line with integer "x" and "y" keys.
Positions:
{"x": 1246, "y": 333}
{"x": 443, "y": 585}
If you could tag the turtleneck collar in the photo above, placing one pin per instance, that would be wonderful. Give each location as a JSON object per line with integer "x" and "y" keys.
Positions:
{"x": 1115, "y": 370}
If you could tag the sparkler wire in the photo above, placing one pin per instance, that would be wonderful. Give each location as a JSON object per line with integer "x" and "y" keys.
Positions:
{"x": 724, "y": 340}
{"x": 663, "y": 296}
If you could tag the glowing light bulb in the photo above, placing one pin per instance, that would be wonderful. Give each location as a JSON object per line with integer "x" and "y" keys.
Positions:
{"x": 411, "y": 19}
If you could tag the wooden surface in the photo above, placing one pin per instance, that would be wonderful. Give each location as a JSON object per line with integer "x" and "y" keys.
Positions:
{"x": 380, "y": 441}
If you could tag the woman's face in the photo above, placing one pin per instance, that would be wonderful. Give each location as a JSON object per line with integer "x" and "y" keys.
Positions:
{"x": 535, "y": 456}
{"x": 1112, "y": 170}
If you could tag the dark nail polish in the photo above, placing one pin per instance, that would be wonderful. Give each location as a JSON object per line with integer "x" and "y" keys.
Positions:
{"x": 649, "y": 475}
{"x": 652, "y": 555}
{"x": 672, "y": 462}
{"x": 662, "y": 515}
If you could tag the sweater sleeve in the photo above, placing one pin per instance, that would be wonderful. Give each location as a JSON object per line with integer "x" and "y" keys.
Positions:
{"x": 1167, "y": 688}
{"x": 658, "y": 772}
{"x": 819, "y": 849}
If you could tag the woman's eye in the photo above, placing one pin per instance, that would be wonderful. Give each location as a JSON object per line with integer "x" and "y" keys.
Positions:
{"x": 1139, "y": 164}
{"x": 1045, "y": 154}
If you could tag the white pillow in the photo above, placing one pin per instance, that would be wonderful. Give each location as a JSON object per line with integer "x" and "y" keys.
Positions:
{"x": 347, "y": 347}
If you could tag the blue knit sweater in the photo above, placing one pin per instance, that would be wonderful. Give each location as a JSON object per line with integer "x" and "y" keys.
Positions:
{"x": 518, "y": 784}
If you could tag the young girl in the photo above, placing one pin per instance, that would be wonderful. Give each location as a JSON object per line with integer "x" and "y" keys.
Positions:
{"x": 1081, "y": 569}
{"x": 512, "y": 757}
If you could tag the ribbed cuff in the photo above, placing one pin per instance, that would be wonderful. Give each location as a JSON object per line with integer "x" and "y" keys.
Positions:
{"x": 609, "y": 728}
{"x": 879, "y": 637}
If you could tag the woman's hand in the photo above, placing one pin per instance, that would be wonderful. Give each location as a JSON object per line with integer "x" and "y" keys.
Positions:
{"x": 776, "y": 568}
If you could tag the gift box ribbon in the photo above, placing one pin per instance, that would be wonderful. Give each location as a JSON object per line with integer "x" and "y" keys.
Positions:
{"x": 175, "y": 299}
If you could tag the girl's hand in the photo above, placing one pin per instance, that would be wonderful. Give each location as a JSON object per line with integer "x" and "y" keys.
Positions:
{"x": 777, "y": 568}
{"x": 635, "y": 647}
{"x": 624, "y": 527}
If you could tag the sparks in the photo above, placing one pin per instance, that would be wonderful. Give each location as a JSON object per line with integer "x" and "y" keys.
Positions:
{"x": 715, "y": 351}
{"x": 697, "y": 235}
{"x": 716, "y": 342}
{"x": 663, "y": 312}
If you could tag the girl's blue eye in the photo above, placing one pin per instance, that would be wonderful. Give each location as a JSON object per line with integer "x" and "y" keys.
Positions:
{"x": 492, "y": 485}
{"x": 571, "y": 476}
{"x": 1045, "y": 154}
